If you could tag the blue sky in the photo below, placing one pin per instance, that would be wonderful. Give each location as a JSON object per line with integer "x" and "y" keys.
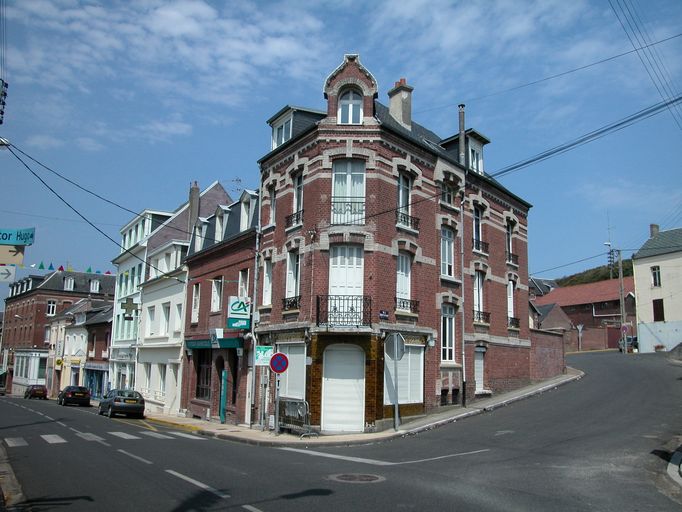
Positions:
{"x": 135, "y": 100}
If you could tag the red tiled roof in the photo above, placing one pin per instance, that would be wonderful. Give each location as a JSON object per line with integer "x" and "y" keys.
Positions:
{"x": 601, "y": 291}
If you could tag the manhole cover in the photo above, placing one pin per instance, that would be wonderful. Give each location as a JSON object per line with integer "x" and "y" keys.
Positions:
{"x": 357, "y": 478}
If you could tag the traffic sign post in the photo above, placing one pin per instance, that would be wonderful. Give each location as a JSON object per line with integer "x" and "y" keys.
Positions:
{"x": 278, "y": 364}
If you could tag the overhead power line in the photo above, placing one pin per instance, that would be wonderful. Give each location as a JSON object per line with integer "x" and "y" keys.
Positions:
{"x": 551, "y": 77}
{"x": 589, "y": 137}
{"x": 72, "y": 208}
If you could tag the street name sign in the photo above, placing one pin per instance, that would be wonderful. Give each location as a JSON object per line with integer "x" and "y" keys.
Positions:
{"x": 25, "y": 236}
{"x": 12, "y": 254}
{"x": 7, "y": 273}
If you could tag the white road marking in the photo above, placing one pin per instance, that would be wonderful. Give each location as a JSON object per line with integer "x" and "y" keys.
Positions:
{"x": 49, "y": 418}
{"x": 157, "y": 435}
{"x": 375, "y": 462}
{"x": 251, "y": 508}
{"x": 53, "y": 438}
{"x": 123, "y": 435}
{"x": 89, "y": 436}
{"x": 198, "y": 484}
{"x": 13, "y": 442}
{"x": 189, "y": 436}
{"x": 60, "y": 423}
{"x": 135, "y": 457}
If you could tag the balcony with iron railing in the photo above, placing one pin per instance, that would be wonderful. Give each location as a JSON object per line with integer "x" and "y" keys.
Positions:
{"x": 513, "y": 322}
{"x": 344, "y": 310}
{"x": 480, "y": 245}
{"x": 291, "y": 303}
{"x": 348, "y": 211}
{"x": 403, "y": 219}
{"x": 407, "y": 305}
{"x": 481, "y": 317}
{"x": 295, "y": 219}
{"x": 512, "y": 258}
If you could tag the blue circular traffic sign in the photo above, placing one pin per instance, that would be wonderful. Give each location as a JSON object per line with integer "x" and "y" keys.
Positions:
{"x": 279, "y": 362}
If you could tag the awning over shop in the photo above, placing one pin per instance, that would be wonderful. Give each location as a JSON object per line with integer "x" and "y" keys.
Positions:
{"x": 215, "y": 343}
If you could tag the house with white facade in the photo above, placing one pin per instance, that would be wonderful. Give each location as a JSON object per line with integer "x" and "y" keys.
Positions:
{"x": 658, "y": 288}
{"x": 150, "y": 299}
{"x": 131, "y": 268}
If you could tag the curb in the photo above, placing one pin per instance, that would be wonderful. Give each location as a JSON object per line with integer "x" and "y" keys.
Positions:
{"x": 675, "y": 467}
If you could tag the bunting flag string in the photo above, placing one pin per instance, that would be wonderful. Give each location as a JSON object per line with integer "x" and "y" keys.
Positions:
{"x": 51, "y": 267}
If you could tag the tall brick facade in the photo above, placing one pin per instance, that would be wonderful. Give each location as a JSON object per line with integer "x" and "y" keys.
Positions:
{"x": 355, "y": 209}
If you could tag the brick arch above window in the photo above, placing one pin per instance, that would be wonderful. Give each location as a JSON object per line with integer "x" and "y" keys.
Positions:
{"x": 480, "y": 266}
{"x": 350, "y": 151}
{"x": 448, "y": 222}
{"x": 512, "y": 276}
{"x": 408, "y": 246}
{"x": 402, "y": 166}
{"x": 448, "y": 298}
{"x": 484, "y": 205}
{"x": 510, "y": 218}
{"x": 295, "y": 243}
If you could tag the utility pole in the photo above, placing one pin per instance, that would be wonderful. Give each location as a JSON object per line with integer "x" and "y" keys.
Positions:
{"x": 623, "y": 327}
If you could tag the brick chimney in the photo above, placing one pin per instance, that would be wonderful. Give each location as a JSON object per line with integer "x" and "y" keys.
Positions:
{"x": 400, "y": 106}
{"x": 194, "y": 200}
{"x": 653, "y": 230}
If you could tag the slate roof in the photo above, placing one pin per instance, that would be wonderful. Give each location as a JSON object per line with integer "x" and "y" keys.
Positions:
{"x": 81, "y": 282}
{"x": 542, "y": 286}
{"x": 103, "y": 315}
{"x": 601, "y": 291}
{"x": 665, "y": 242}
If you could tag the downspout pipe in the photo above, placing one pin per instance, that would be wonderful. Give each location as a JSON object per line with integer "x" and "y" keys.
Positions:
{"x": 254, "y": 305}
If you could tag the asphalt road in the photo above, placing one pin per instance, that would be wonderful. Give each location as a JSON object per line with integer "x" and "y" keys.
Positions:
{"x": 597, "y": 444}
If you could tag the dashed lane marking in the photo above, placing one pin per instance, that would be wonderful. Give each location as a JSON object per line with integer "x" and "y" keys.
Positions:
{"x": 199, "y": 484}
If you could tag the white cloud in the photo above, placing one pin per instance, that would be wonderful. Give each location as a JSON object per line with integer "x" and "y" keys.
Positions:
{"x": 44, "y": 142}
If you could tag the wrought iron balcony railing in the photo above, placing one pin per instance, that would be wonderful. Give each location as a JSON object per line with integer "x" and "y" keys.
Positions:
{"x": 480, "y": 245}
{"x": 407, "y": 305}
{"x": 404, "y": 219}
{"x": 481, "y": 317}
{"x": 512, "y": 258}
{"x": 344, "y": 310}
{"x": 514, "y": 323}
{"x": 289, "y": 303}
{"x": 294, "y": 219}
{"x": 348, "y": 210}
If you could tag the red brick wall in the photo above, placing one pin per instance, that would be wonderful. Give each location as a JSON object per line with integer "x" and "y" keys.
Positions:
{"x": 546, "y": 355}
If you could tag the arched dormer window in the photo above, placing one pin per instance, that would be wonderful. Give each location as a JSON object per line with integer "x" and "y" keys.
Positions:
{"x": 350, "y": 107}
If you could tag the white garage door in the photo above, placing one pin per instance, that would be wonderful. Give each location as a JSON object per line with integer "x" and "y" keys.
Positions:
{"x": 343, "y": 389}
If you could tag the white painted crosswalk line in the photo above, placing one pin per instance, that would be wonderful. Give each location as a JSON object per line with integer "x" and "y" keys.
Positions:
{"x": 89, "y": 437}
{"x": 13, "y": 442}
{"x": 123, "y": 435}
{"x": 53, "y": 438}
{"x": 189, "y": 436}
{"x": 156, "y": 435}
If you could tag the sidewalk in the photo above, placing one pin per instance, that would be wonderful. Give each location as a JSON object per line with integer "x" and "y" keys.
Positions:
{"x": 256, "y": 436}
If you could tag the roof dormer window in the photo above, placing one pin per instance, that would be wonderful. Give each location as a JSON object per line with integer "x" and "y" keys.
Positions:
{"x": 68, "y": 284}
{"x": 350, "y": 107}
{"x": 245, "y": 216}
{"x": 281, "y": 132}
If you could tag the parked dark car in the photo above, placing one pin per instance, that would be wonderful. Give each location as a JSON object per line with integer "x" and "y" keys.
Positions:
{"x": 122, "y": 401}
{"x": 36, "y": 391}
{"x": 78, "y": 395}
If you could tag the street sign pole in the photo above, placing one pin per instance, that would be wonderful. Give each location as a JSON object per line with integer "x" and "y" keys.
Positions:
{"x": 223, "y": 396}
{"x": 277, "y": 403}
{"x": 396, "y": 410}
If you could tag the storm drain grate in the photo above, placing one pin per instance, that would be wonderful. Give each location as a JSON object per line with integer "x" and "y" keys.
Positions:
{"x": 357, "y": 478}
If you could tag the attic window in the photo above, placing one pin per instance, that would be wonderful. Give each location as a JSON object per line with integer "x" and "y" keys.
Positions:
{"x": 281, "y": 132}
{"x": 94, "y": 286}
{"x": 68, "y": 284}
{"x": 350, "y": 107}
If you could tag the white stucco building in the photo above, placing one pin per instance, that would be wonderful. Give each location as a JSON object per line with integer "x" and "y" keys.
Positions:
{"x": 658, "y": 287}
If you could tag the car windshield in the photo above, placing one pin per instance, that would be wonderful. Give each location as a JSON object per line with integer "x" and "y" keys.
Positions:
{"x": 127, "y": 393}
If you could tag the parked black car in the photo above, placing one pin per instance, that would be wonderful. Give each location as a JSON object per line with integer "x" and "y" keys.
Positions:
{"x": 36, "y": 391}
{"x": 78, "y": 395}
{"x": 122, "y": 401}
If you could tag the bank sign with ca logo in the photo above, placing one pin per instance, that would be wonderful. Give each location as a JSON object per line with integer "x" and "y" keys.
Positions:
{"x": 239, "y": 313}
